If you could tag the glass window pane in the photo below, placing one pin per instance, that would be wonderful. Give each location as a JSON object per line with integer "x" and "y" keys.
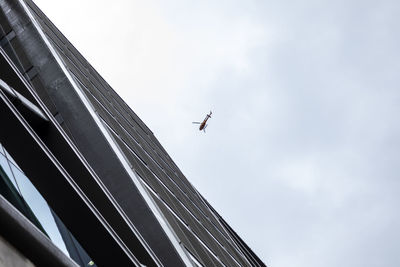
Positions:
{"x": 39, "y": 207}
{"x": 6, "y": 167}
{"x": 21, "y": 193}
{"x": 11, "y": 159}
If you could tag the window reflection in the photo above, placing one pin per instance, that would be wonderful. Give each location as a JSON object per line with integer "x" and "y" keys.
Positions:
{"x": 9, "y": 192}
{"x": 6, "y": 168}
{"x": 39, "y": 207}
{"x": 8, "y": 156}
{"x": 21, "y": 193}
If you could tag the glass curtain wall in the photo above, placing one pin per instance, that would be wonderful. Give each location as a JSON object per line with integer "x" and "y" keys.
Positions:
{"x": 20, "y": 192}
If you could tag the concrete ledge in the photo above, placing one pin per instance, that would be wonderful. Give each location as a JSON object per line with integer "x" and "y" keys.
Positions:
{"x": 27, "y": 240}
{"x": 9, "y": 256}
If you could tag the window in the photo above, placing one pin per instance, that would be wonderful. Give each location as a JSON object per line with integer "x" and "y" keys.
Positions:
{"x": 21, "y": 193}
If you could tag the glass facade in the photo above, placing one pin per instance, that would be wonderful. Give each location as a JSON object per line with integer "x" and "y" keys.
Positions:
{"x": 21, "y": 193}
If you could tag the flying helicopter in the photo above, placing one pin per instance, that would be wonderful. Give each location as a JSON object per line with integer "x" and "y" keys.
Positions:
{"x": 203, "y": 124}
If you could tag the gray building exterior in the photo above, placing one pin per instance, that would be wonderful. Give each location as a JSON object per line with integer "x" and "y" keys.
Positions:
{"x": 113, "y": 194}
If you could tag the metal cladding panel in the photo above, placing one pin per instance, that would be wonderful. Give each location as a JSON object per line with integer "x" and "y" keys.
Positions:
{"x": 185, "y": 235}
{"x": 64, "y": 198}
{"x": 97, "y": 151}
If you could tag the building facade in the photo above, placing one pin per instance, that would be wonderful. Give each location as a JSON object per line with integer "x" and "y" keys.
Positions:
{"x": 80, "y": 168}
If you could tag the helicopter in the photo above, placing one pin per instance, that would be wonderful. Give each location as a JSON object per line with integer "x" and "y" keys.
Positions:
{"x": 203, "y": 124}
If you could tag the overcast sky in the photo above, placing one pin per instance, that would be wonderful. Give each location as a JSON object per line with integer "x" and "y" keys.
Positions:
{"x": 302, "y": 154}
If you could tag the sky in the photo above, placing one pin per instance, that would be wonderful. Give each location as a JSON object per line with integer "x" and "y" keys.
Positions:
{"x": 302, "y": 154}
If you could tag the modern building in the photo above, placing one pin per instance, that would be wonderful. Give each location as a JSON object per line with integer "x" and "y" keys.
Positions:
{"x": 83, "y": 181}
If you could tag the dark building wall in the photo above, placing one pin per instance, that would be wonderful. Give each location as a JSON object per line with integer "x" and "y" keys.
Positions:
{"x": 71, "y": 113}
